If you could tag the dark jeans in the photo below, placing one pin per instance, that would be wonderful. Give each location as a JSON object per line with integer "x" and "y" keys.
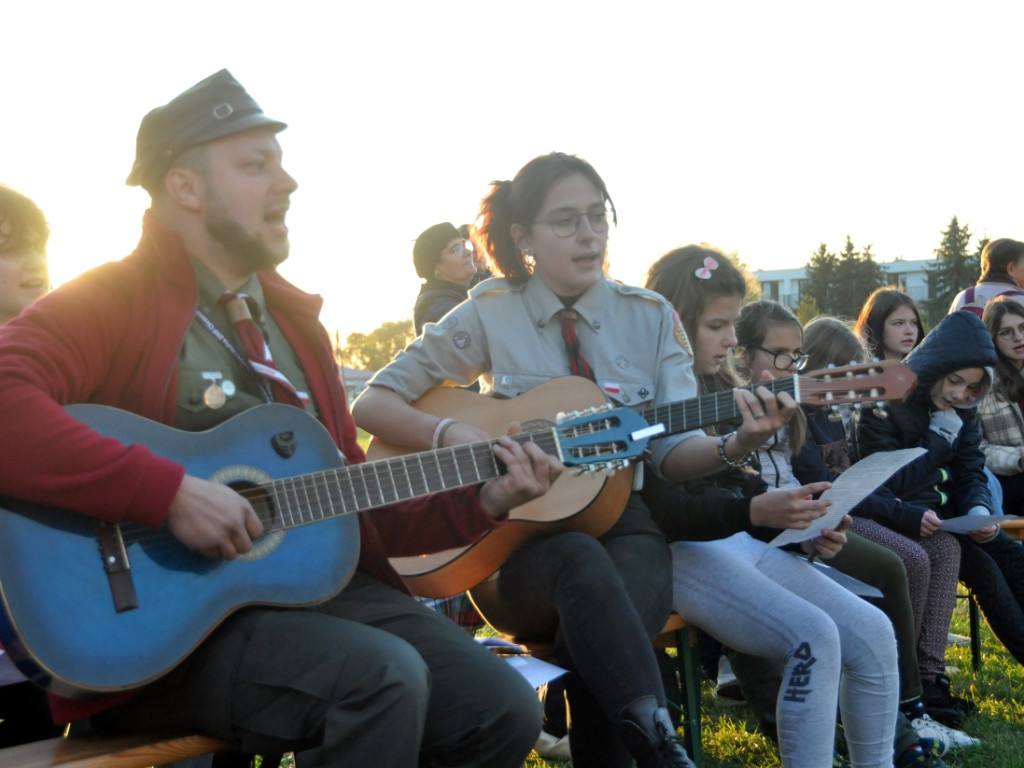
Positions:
{"x": 370, "y": 677}
{"x": 605, "y": 599}
{"x": 994, "y": 573}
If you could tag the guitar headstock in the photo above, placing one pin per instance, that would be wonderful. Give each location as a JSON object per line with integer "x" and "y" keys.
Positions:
{"x": 875, "y": 383}
{"x": 603, "y": 438}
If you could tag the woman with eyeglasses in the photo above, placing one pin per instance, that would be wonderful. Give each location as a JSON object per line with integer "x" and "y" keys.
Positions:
{"x": 551, "y": 313}
{"x": 768, "y": 344}
{"x": 770, "y": 608}
{"x": 446, "y": 265}
{"x": 1002, "y": 424}
{"x": 930, "y": 562}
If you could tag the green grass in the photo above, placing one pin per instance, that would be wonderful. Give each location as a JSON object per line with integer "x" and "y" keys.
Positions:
{"x": 730, "y": 738}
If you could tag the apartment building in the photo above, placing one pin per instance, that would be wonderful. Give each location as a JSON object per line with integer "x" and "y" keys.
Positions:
{"x": 786, "y": 285}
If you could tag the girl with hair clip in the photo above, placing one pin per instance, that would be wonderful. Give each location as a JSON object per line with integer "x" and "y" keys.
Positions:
{"x": 889, "y": 324}
{"x": 953, "y": 366}
{"x": 931, "y": 562}
{"x": 1002, "y": 424}
{"x": 756, "y": 599}
{"x": 553, "y": 312}
{"x": 1002, "y": 274}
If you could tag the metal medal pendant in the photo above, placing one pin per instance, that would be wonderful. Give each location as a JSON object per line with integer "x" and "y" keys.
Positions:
{"x": 214, "y": 397}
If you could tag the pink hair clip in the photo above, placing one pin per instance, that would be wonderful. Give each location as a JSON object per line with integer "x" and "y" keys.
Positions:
{"x": 710, "y": 265}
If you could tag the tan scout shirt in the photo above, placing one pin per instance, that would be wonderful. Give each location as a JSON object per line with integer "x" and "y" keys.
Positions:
{"x": 511, "y": 337}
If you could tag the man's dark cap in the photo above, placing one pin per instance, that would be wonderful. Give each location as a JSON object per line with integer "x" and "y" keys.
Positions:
{"x": 211, "y": 109}
{"x": 426, "y": 253}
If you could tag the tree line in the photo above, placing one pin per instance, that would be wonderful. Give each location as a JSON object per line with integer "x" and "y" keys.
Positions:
{"x": 836, "y": 284}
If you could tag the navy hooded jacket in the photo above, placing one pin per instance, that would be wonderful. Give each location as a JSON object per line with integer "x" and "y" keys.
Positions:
{"x": 948, "y": 479}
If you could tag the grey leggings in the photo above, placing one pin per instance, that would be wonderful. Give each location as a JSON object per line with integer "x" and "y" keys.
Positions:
{"x": 834, "y": 646}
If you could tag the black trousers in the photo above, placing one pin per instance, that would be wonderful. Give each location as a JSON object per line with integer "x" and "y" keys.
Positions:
{"x": 994, "y": 573}
{"x": 370, "y": 677}
{"x": 605, "y": 600}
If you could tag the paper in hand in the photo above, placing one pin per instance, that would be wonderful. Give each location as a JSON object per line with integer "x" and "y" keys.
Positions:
{"x": 968, "y": 523}
{"x": 850, "y": 489}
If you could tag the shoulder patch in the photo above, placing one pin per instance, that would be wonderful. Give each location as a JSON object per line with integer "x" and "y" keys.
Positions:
{"x": 680, "y": 333}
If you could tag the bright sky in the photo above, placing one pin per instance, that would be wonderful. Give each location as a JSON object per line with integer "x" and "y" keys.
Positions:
{"x": 761, "y": 127}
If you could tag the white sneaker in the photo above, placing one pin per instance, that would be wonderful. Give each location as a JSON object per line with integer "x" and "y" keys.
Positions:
{"x": 943, "y": 737}
{"x": 551, "y": 746}
{"x": 727, "y": 687}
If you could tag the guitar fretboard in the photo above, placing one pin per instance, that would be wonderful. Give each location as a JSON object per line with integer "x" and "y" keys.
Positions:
{"x": 710, "y": 409}
{"x": 360, "y": 487}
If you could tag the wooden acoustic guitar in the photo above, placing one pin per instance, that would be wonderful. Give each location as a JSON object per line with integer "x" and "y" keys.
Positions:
{"x": 592, "y": 502}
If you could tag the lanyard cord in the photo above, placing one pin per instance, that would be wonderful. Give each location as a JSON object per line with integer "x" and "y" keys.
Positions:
{"x": 218, "y": 334}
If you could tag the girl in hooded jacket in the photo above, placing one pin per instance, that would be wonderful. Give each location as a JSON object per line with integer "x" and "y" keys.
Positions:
{"x": 954, "y": 368}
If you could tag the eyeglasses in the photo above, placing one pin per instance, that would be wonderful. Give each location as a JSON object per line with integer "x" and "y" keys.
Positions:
{"x": 568, "y": 224}
{"x": 784, "y": 362}
{"x": 1008, "y": 334}
{"x": 458, "y": 250}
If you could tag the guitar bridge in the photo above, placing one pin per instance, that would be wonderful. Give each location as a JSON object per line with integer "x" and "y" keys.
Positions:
{"x": 117, "y": 565}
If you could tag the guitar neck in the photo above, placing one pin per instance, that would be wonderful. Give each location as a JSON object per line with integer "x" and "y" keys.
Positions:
{"x": 361, "y": 487}
{"x": 710, "y": 409}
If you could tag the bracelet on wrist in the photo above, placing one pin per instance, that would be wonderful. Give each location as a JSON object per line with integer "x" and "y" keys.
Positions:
{"x": 439, "y": 431}
{"x": 721, "y": 453}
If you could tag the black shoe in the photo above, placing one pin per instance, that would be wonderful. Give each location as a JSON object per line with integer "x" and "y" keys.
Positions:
{"x": 942, "y": 705}
{"x": 649, "y": 735}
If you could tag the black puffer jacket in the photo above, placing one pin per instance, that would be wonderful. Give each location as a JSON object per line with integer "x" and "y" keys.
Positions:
{"x": 949, "y": 479}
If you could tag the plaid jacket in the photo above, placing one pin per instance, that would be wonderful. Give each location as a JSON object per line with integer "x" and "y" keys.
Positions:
{"x": 1002, "y": 427}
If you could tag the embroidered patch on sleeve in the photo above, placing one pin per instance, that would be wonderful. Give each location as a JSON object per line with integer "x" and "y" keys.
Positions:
{"x": 680, "y": 334}
{"x": 461, "y": 339}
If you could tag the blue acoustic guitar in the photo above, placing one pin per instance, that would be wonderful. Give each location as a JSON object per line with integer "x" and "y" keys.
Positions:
{"x": 90, "y": 608}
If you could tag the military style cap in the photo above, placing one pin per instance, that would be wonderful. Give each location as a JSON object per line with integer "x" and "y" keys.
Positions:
{"x": 211, "y": 109}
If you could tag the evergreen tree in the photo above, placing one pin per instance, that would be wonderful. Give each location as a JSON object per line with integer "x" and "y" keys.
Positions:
{"x": 807, "y": 309}
{"x": 822, "y": 284}
{"x": 956, "y": 270}
{"x": 858, "y": 274}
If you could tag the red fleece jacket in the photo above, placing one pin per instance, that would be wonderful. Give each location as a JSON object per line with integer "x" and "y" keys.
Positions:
{"x": 112, "y": 336}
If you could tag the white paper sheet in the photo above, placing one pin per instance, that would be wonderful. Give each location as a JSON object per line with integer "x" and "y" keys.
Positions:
{"x": 968, "y": 523}
{"x": 535, "y": 671}
{"x": 849, "y": 489}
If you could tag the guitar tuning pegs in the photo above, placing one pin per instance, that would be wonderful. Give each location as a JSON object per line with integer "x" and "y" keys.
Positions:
{"x": 879, "y": 411}
{"x": 835, "y": 415}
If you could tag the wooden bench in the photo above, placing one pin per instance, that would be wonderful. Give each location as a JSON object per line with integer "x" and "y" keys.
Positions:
{"x": 100, "y": 750}
{"x": 683, "y": 637}
{"x": 1014, "y": 528}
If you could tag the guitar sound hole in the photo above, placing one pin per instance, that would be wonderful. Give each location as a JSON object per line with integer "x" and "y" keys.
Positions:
{"x": 260, "y": 500}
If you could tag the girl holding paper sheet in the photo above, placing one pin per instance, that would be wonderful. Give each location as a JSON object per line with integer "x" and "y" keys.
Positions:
{"x": 953, "y": 366}
{"x": 931, "y": 561}
{"x": 771, "y": 342}
{"x": 755, "y": 598}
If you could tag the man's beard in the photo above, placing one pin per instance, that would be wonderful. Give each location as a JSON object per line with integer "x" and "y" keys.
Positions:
{"x": 248, "y": 252}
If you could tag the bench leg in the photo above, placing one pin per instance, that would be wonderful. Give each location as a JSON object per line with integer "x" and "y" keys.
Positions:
{"x": 975, "y": 624}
